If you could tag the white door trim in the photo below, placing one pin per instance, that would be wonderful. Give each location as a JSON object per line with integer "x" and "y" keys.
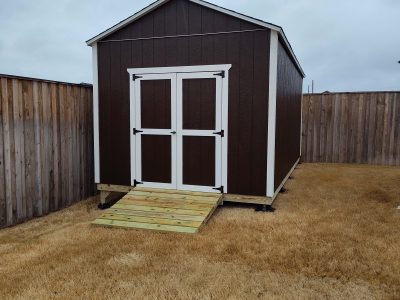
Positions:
{"x": 180, "y": 69}
{"x": 221, "y": 111}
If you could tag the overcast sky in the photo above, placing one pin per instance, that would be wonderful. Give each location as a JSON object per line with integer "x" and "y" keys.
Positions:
{"x": 344, "y": 45}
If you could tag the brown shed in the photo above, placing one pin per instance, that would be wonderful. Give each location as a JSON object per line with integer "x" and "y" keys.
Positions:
{"x": 192, "y": 96}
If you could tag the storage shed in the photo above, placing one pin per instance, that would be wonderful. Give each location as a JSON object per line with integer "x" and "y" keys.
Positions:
{"x": 192, "y": 96}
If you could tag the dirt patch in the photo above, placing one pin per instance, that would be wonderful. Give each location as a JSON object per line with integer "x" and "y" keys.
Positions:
{"x": 335, "y": 234}
{"x": 378, "y": 195}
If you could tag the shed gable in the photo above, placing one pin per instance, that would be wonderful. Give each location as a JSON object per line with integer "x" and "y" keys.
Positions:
{"x": 180, "y": 17}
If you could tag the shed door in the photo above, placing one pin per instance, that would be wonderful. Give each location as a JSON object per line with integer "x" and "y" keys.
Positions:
{"x": 199, "y": 131}
{"x": 155, "y": 131}
{"x": 177, "y": 129}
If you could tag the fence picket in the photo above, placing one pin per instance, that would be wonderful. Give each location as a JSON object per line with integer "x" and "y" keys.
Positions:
{"x": 355, "y": 128}
{"x": 31, "y": 175}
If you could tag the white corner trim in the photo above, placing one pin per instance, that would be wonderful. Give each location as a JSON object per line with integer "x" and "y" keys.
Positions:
{"x": 273, "y": 73}
{"x": 180, "y": 69}
{"x": 301, "y": 122}
{"x": 96, "y": 140}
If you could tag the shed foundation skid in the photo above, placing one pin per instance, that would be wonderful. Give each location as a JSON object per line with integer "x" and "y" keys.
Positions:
{"x": 108, "y": 189}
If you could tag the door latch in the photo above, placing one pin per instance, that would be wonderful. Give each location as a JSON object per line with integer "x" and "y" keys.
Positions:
{"x": 173, "y": 132}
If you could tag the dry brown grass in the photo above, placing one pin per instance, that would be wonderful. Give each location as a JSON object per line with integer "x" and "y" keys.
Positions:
{"x": 336, "y": 234}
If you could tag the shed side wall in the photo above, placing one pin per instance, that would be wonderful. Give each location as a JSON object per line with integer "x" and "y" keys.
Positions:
{"x": 248, "y": 52}
{"x": 288, "y": 115}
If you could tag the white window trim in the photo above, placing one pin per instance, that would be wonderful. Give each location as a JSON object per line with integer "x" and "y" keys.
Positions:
{"x": 96, "y": 139}
{"x": 273, "y": 73}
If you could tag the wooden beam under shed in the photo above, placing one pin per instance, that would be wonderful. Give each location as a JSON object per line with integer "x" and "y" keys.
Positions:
{"x": 114, "y": 188}
{"x": 246, "y": 199}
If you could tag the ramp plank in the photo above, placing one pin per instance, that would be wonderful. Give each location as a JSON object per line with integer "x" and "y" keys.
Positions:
{"x": 145, "y": 226}
{"x": 129, "y": 218}
{"x": 160, "y": 209}
{"x": 156, "y": 215}
{"x": 169, "y": 204}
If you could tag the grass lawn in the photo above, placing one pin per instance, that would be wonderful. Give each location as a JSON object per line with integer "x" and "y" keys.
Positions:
{"x": 335, "y": 234}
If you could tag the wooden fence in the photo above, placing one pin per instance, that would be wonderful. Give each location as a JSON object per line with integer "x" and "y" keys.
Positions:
{"x": 46, "y": 147}
{"x": 352, "y": 128}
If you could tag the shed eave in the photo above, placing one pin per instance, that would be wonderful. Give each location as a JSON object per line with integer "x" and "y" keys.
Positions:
{"x": 158, "y": 3}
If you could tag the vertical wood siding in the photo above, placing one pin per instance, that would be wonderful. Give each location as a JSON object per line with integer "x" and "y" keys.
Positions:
{"x": 46, "y": 147}
{"x": 288, "y": 115}
{"x": 248, "y": 52}
{"x": 352, "y": 128}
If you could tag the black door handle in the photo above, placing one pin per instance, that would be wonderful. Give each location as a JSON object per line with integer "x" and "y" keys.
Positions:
{"x": 173, "y": 132}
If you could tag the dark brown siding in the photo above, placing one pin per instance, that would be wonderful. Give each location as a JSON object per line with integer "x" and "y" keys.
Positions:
{"x": 288, "y": 115}
{"x": 248, "y": 52}
{"x": 179, "y": 17}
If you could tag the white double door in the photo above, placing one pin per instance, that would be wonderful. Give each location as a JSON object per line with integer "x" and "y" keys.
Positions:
{"x": 177, "y": 130}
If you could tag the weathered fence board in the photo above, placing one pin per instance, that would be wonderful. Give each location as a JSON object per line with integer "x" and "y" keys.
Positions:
{"x": 46, "y": 141}
{"x": 352, "y": 128}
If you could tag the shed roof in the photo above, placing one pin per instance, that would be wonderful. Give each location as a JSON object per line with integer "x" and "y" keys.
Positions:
{"x": 158, "y": 3}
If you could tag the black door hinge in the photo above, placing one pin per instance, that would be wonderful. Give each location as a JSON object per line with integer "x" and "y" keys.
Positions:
{"x": 135, "y": 183}
{"x": 136, "y": 131}
{"x": 221, "y": 133}
{"x": 222, "y": 74}
{"x": 134, "y": 77}
{"x": 221, "y": 189}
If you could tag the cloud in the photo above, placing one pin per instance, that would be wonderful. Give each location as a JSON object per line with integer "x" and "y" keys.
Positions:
{"x": 342, "y": 45}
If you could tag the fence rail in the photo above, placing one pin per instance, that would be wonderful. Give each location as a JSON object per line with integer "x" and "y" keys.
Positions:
{"x": 46, "y": 147}
{"x": 352, "y": 128}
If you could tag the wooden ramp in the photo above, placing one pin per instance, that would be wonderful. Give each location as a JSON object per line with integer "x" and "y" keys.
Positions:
{"x": 165, "y": 210}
